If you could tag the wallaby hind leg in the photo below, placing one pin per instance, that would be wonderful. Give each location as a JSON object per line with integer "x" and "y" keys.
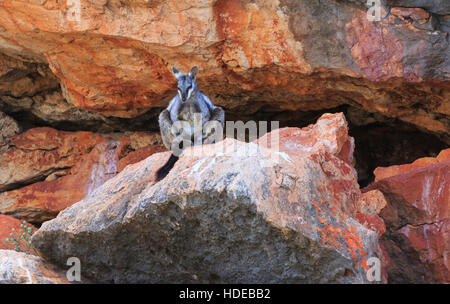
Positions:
{"x": 218, "y": 114}
{"x": 165, "y": 125}
{"x": 210, "y": 137}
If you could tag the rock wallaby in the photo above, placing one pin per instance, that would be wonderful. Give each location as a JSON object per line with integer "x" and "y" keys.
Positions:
{"x": 177, "y": 121}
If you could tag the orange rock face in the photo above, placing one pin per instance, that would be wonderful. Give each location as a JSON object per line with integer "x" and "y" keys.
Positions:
{"x": 417, "y": 217}
{"x": 385, "y": 172}
{"x": 72, "y": 163}
{"x": 113, "y": 57}
{"x": 8, "y": 128}
{"x": 329, "y": 136}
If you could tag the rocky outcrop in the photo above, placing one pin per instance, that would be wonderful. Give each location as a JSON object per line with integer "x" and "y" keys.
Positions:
{"x": 78, "y": 84}
{"x": 417, "y": 218}
{"x": 441, "y": 7}
{"x": 37, "y": 153}
{"x": 49, "y": 170}
{"x": 112, "y": 58}
{"x": 230, "y": 212}
{"x": 21, "y": 268}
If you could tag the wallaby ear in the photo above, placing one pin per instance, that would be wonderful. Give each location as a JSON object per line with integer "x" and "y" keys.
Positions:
{"x": 176, "y": 72}
{"x": 194, "y": 71}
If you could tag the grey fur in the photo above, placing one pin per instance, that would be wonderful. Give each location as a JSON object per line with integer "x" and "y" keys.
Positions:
{"x": 184, "y": 105}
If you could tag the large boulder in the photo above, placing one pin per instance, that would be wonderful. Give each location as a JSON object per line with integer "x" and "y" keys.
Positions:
{"x": 417, "y": 218}
{"x": 21, "y": 268}
{"x": 232, "y": 212}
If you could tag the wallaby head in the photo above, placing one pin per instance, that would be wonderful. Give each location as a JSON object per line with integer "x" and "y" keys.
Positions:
{"x": 187, "y": 84}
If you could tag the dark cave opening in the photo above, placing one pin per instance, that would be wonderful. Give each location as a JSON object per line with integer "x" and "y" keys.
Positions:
{"x": 381, "y": 145}
{"x": 379, "y": 141}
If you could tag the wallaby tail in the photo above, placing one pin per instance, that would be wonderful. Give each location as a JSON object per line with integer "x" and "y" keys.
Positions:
{"x": 164, "y": 170}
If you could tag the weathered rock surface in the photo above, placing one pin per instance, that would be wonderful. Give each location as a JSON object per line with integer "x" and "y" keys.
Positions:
{"x": 39, "y": 152}
{"x": 70, "y": 165}
{"x": 21, "y": 268}
{"x": 385, "y": 172}
{"x": 417, "y": 218}
{"x": 369, "y": 206}
{"x": 231, "y": 212}
{"x": 31, "y": 92}
{"x": 7, "y": 224}
{"x": 8, "y": 128}
{"x": 106, "y": 69}
{"x": 441, "y": 7}
{"x": 113, "y": 57}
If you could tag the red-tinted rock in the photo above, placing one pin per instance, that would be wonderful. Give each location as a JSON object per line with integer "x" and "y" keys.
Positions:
{"x": 138, "y": 155}
{"x": 21, "y": 268}
{"x": 326, "y": 140}
{"x": 37, "y": 153}
{"x": 8, "y": 128}
{"x": 371, "y": 202}
{"x": 42, "y": 201}
{"x": 413, "y": 13}
{"x": 417, "y": 218}
{"x": 385, "y": 172}
{"x": 73, "y": 164}
{"x": 372, "y": 222}
{"x": 369, "y": 207}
